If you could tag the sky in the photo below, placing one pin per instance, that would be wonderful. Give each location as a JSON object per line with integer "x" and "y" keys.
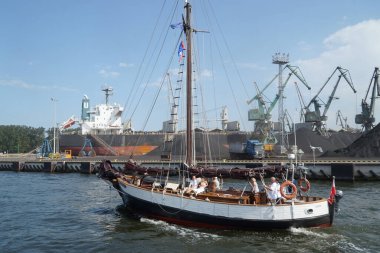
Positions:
{"x": 67, "y": 49}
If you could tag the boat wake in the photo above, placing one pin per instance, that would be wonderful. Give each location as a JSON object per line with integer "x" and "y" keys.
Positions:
{"x": 192, "y": 235}
{"x": 339, "y": 242}
{"x": 308, "y": 232}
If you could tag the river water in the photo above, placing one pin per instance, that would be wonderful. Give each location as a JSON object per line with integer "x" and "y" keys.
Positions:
{"x": 41, "y": 212}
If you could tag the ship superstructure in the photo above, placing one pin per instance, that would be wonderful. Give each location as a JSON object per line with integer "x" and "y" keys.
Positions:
{"x": 103, "y": 118}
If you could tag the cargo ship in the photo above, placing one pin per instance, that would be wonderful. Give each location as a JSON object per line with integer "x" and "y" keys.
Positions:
{"x": 102, "y": 132}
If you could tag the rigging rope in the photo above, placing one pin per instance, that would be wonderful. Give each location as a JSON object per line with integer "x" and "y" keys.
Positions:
{"x": 155, "y": 99}
{"x": 148, "y": 81}
{"x": 223, "y": 64}
{"x": 127, "y": 103}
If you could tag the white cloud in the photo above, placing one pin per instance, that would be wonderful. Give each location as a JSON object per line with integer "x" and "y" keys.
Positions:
{"x": 125, "y": 65}
{"x": 108, "y": 73}
{"x": 355, "y": 48}
{"x": 304, "y": 46}
{"x": 206, "y": 73}
{"x": 25, "y": 85}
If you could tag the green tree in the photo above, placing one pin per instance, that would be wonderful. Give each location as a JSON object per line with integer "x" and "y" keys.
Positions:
{"x": 22, "y": 139}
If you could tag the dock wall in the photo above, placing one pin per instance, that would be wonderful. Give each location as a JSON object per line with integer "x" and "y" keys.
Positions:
{"x": 320, "y": 170}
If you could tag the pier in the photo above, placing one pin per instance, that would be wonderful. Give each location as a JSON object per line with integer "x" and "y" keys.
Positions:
{"x": 318, "y": 169}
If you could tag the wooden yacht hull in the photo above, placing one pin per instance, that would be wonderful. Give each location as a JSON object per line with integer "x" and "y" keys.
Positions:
{"x": 185, "y": 211}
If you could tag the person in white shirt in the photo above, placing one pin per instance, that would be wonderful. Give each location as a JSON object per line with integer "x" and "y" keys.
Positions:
{"x": 216, "y": 182}
{"x": 202, "y": 187}
{"x": 273, "y": 190}
{"x": 254, "y": 186}
{"x": 193, "y": 184}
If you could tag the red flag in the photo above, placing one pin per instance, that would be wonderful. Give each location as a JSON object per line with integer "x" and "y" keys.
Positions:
{"x": 332, "y": 192}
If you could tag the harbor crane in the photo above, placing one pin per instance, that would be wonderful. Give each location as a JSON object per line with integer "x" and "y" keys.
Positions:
{"x": 366, "y": 118}
{"x": 316, "y": 117}
{"x": 262, "y": 114}
{"x": 302, "y": 102}
{"x": 342, "y": 121}
{"x": 288, "y": 121}
{"x": 262, "y": 117}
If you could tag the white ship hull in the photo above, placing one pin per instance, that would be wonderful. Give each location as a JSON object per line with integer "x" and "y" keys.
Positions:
{"x": 180, "y": 209}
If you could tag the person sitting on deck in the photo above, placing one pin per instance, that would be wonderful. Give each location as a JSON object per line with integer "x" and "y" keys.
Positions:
{"x": 201, "y": 188}
{"x": 214, "y": 185}
{"x": 274, "y": 191}
{"x": 193, "y": 184}
{"x": 215, "y": 180}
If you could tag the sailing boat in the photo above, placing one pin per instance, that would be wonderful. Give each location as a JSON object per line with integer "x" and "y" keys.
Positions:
{"x": 217, "y": 208}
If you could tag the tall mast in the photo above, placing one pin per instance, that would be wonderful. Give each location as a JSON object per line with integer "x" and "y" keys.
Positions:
{"x": 189, "y": 104}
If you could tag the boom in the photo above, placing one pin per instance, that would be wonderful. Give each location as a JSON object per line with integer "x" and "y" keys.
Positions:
{"x": 366, "y": 118}
{"x": 315, "y": 116}
{"x": 259, "y": 94}
{"x": 340, "y": 119}
{"x": 302, "y": 102}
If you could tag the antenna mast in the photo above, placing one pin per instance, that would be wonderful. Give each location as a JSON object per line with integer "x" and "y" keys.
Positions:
{"x": 108, "y": 90}
{"x": 281, "y": 60}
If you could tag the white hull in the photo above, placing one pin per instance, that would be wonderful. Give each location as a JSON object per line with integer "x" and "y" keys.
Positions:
{"x": 168, "y": 206}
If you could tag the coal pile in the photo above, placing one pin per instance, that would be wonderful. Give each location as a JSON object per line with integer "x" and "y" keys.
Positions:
{"x": 335, "y": 140}
{"x": 207, "y": 146}
{"x": 215, "y": 145}
{"x": 367, "y": 146}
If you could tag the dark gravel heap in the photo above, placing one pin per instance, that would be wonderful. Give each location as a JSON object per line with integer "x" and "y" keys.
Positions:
{"x": 335, "y": 140}
{"x": 367, "y": 146}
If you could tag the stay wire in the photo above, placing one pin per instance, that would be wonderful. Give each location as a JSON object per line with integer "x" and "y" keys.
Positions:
{"x": 223, "y": 64}
{"x": 157, "y": 94}
{"x": 127, "y": 103}
{"x": 153, "y": 68}
{"x": 229, "y": 51}
{"x": 155, "y": 63}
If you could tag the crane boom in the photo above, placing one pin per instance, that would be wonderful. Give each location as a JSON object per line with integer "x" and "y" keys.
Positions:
{"x": 259, "y": 94}
{"x": 340, "y": 118}
{"x": 293, "y": 70}
{"x": 320, "y": 90}
{"x": 302, "y": 102}
{"x": 331, "y": 97}
{"x": 348, "y": 79}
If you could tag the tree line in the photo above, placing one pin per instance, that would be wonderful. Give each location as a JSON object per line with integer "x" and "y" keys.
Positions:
{"x": 20, "y": 139}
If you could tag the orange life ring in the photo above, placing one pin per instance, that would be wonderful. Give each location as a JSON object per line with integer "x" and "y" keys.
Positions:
{"x": 305, "y": 188}
{"x": 284, "y": 187}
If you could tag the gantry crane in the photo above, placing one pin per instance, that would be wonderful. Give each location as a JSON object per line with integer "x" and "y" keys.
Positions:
{"x": 316, "y": 117}
{"x": 366, "y": 118}
{"x": 342, "y": 121}
{"x": 262, "y": 114}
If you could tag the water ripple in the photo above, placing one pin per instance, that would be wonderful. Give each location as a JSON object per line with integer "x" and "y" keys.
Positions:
{"x": 42, "y": 212}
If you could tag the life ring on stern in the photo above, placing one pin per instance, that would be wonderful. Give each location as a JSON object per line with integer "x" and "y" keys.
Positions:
{"x": 306, "y": 187}
{"x": 284, "y": 188}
